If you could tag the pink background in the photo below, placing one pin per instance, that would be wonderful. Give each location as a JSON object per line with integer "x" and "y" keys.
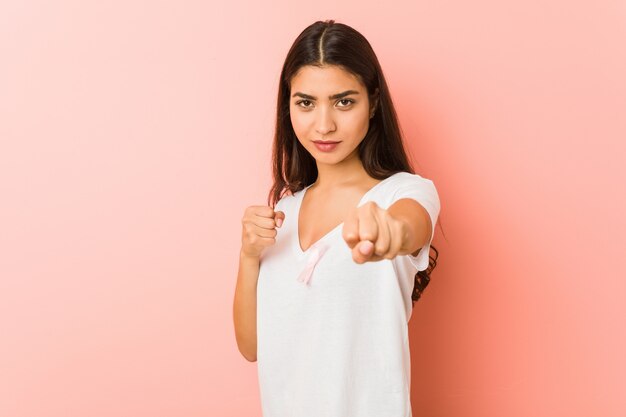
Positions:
{"x": 133, "y": 134}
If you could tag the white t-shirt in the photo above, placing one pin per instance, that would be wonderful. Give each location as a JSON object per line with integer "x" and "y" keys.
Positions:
{"x": 336, "y": 345}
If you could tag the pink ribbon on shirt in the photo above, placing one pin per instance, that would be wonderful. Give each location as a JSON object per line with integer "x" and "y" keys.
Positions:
{"x": 317, "y": 250}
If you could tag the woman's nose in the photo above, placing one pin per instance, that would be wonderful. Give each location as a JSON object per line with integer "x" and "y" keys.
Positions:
{"x": 325, "y": 122}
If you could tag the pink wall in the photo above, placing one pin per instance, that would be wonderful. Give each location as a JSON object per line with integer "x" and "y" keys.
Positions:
{"x": 120, "y": 125}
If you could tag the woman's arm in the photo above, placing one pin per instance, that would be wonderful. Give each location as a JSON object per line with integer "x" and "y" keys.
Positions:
{"x": 418, "y": 221}
{"x": 244, "y": 305}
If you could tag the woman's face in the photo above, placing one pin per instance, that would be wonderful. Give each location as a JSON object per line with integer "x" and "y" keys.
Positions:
{"x": 329, "y": 104}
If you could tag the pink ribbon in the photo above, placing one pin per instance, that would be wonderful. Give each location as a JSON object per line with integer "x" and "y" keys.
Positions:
{"x": 317, "y": 250}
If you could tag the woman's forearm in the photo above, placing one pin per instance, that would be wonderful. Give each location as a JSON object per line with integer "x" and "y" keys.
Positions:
{"x": 244, "y": 306}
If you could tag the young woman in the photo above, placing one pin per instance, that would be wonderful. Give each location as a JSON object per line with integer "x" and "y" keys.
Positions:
{"x": 330, "y": 268}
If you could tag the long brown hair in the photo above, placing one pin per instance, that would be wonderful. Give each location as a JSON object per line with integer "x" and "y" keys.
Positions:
{"x": 381, "y": 151}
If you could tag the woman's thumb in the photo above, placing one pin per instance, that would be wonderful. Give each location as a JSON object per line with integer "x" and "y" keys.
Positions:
{"x": 279, "y": 216}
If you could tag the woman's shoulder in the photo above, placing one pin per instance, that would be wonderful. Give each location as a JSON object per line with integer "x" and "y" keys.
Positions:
{"x": 408, "y": 175}
{"x": 287, "y": 199}
{"x": 406, "y": 179}
{"x": 402, "y": 185}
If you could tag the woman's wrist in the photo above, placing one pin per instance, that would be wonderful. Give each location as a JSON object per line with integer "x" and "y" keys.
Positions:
{"x": 248, "y": 258}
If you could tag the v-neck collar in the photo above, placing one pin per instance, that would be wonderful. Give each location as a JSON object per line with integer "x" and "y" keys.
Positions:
{"x": 296, "y": 245}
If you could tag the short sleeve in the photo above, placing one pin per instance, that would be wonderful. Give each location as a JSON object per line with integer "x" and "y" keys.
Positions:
{"x": 424, "y": 192}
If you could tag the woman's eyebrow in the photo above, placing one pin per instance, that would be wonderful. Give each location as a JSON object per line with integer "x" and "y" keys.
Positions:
{"x": 339, "y": 95}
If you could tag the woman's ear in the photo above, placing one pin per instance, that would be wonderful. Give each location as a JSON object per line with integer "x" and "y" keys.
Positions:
{"x": 374, "y": 103}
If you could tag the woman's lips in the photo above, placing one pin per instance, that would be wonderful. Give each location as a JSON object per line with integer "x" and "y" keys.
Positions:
{"x": 326, "y": 146}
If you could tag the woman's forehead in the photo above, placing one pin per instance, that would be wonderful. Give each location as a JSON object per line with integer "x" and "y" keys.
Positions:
{"x": 326, "y": 80}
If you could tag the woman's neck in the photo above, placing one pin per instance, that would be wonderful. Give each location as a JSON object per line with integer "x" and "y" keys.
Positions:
{"x": 342, "y": 174}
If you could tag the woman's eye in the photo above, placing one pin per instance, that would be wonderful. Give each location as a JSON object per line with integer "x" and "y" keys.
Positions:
{"x": 307, "y": 103}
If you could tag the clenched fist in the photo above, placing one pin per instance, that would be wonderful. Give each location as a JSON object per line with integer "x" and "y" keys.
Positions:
{"x": 259, "y": 229}
{"x": 374, "y": 234}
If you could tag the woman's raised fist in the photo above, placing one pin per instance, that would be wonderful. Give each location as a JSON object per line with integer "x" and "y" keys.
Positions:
{"x": 259, "y": 229}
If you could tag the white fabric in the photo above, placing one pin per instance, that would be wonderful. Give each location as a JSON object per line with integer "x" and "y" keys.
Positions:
{"x": 335, "y": 344}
